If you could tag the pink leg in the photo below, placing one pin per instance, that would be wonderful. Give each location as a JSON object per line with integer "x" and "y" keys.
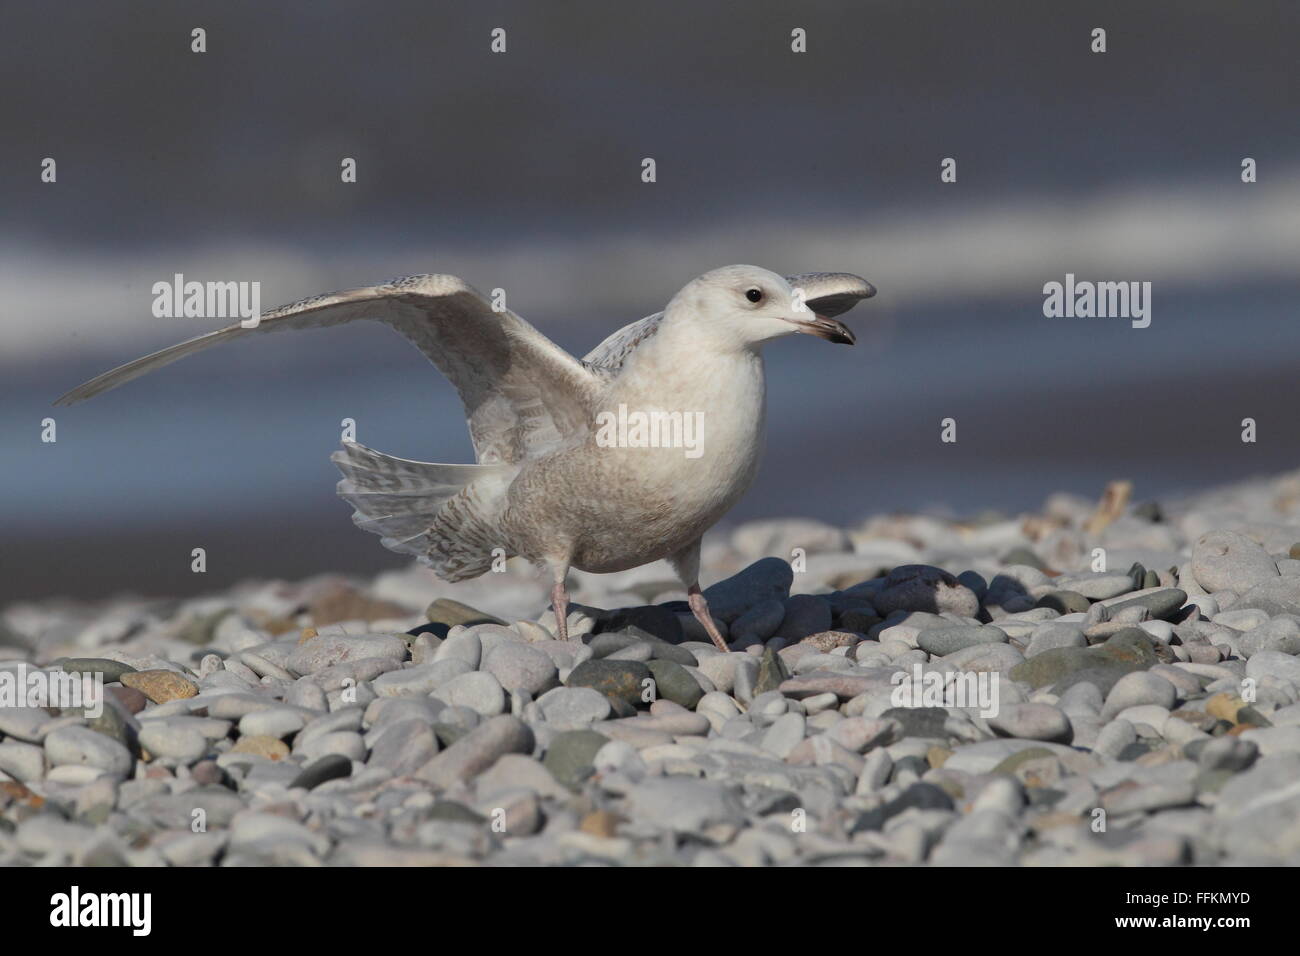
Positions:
{"x": 700, "y": 608}
{"x": 560, "y": 602}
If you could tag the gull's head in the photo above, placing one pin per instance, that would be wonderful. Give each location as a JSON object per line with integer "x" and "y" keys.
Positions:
{"x": 745, "y": 306}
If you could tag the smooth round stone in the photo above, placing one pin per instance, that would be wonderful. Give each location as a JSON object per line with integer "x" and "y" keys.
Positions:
{"x": 273, "y": 722}
{"x": 1150, "y": 715}
{"x": 1000, "y": 658}
{"x": 161, "y": 686}
{"x": 674, "y": 682}
{"x": 1097, "y": 586}
{"x": 1053, "y": 634}
{"x": 420, "y": 680}
{"x": 320, "y": 771}
{"x": 625, "y": 681}
{"x": 465, "y": 646}
{"x": 1064, "y": 602}
{"x": 949, "y": 640}
{"x": 111, "y": 671}
{"x": 272, "y": 748}
{"x": 479, "y": 691}
{"x": 450, "y": 613}
{"x": 783, "y": 735}
{"x": 572, "y": 708}
{"x": 1138, "y": 689}
{"x": 404, "y": 746}
{"x": 760, "y": 622}
{"x": 347, "y": 743}
{"x": 637, "y": 651}
{"x": 173, "y": 742}
{"x": 1243, "y": 619}
{"x": 1032, "y": 722}
{"x": 1229, "y": 561}
{"x": 1159, "y": 602}
{"x": 1280, "y": 634}
{"x": 918, "y": 587}
{"x": 571, "y": 755}
{"x": 80, "y": 746}
{"x": 1274, "y": 664}
{"x": 23, "y": 723}
{"x": 765, "y": 580}
{"x": 323, "y": 651}
{"x": 22, "y": 761}
{"x": 521, "y": 667}
{"x": 1278, "y": 596}
{"x": 804, "y": 614}
{"x": 819, "y": 703}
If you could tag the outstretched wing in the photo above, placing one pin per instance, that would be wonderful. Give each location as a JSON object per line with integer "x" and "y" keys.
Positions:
{"x": 826, "y": 293}
{"x": 522, "y": 393}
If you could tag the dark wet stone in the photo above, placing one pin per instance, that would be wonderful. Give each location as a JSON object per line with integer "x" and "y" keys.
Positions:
{"x": 330, "y": 767}
{"x": 920, "y": 796}
{"x": 618, "y": 680}
{"x": 438, "y": 630}
{"x": 919, "y": 721}
{"x": 657, "y": 620}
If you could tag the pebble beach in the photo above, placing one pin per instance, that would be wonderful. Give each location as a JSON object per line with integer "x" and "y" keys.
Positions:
{"x": 1135, "y": 666}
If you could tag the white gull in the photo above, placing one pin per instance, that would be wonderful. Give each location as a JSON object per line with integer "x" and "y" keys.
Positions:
{"x": 549, "y": 485}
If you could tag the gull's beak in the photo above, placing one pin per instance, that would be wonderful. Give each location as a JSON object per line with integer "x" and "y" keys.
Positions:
{"x": 825, "y": 328}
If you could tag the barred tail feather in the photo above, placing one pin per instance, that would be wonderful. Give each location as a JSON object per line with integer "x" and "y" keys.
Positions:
{"x": 442, "y": 514}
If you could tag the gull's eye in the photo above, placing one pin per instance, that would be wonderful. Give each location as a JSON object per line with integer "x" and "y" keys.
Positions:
{"x": 754, "y": 295}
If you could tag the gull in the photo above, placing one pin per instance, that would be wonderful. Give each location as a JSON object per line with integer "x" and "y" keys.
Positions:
{"x": 548, "y": 484}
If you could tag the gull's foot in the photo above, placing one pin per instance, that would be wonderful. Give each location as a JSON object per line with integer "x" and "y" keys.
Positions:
{"x": 700, "y": 608}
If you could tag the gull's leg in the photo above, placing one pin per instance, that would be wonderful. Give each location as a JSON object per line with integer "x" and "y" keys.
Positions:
{"x": 687, "y": 565}
{"x": 560, "y": 601}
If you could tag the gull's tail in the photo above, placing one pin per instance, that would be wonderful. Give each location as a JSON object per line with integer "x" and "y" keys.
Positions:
{"x": 442, "y": 514}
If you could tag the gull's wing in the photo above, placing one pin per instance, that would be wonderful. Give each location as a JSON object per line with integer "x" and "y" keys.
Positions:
{"x": 826, "y": 293}
{"x": 522, "y": 393}
{"x": 611, "y": 353}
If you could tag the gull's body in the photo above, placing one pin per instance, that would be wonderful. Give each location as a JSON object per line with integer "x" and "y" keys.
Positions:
{"x": 546, "y": 487}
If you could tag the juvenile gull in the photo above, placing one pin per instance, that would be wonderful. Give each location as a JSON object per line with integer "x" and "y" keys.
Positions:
{"x": 549, "y": 485}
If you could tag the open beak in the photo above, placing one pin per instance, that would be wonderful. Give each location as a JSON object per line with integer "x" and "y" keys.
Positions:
{"x": 825, "y": 328}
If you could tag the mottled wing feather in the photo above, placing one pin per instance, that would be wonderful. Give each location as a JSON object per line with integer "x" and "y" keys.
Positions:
{"x": 610, "y": 354}
{"x": 523, "y": 395}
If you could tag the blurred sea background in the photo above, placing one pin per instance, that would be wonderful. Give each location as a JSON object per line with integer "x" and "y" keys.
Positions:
{"x": 522, "y": 171}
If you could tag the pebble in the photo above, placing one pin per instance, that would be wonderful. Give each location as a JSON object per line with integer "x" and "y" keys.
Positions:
{"x": 81, "y": 746}
{"x": 325, "y": 651}
{"x": 641, "y": 743}
{"x": 160, "y": 686}
{"x": 1229, "y": 561}
{"x": 477, "y": 690}
{"x": 477, "y": 750}
{"x": 1032, "y": 722}
{"x": 625, "y": 681}
{"x": 173, "y": 741}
